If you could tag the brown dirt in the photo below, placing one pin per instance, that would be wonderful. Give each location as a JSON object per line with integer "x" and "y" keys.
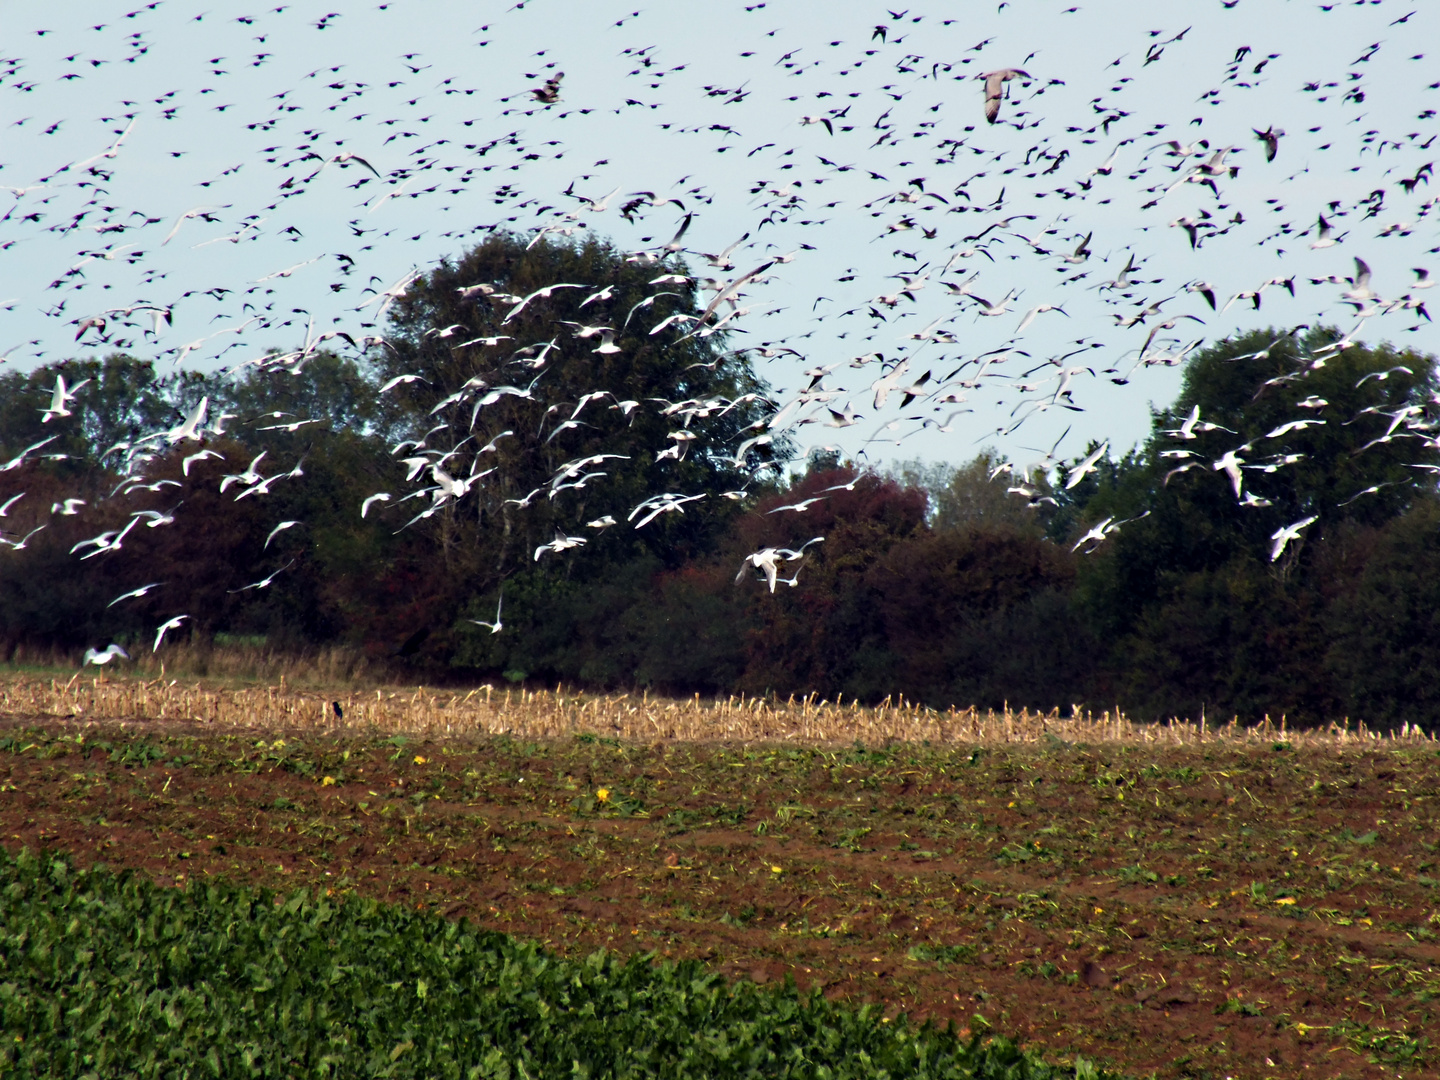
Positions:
{"x": 1188, "y": 912}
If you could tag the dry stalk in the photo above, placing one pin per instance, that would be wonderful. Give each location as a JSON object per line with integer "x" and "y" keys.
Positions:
{"x": 487, "y": 711}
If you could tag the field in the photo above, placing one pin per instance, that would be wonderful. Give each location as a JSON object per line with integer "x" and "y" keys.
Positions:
{"x": 1175, "y": 900}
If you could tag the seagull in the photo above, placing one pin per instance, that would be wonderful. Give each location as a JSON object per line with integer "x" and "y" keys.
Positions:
{"x": 199, "y": 211}
{"x": 190, "y": 429}
{"x": 1097, "y": 532}
{"x": 995, "y": 89}
{"x": 19, "y": 459}
{"x": 1037, "y": 310}
{"x": 341, "y": 158}
{"x": 545, "y": 292}
{"x": 278, "y": 529}
{"x": 1360, "y": 291}
{"x": 497, "y": 625}
{"x": 264, "y": 583}
{"x": 1230, "y": 462}
{"x": 1087, "y": 466}
{"x": 166, "y": 628}
{"x": 1271, "y": 137}
{"x": 381, "y": 496}
{"x": 766, "y": 560}
{"x": 801, "y": 506}
{"x": 1205, "y": 289}
{"x": 560, "y": 543}
{"x": 133, "y": 593}
{"x": 1192, "y": 422}
{"x": 202, "y": 455}
{"x": 60, "y": 398}
{"x": 18, "y": 545}
{"x": 1284, "y": 535}
{"x": 1325, "y": 238}
{"x": 97, "y": 657}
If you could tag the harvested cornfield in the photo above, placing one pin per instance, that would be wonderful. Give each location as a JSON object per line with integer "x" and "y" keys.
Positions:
{"x": 542, "y": 714}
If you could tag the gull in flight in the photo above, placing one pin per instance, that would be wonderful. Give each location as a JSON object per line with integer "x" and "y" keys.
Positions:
{"x": 202, "y": 455}
{"x": 165, "y": 628}
{"x": 766, "y": 560}
{"x": 199, "y": 211}
{"x": 1283, "y": 536}
{"x": 60, "y": 398}
{"x": 1192, "y": 423}
{"x": 133, "y": 593}
{"x": 190, "y": 429}
{"x": 995, "y": 89}
{"x": 802, "y": 505}
{"x": 545, "y": 292}
{"x": 97, "y": 657}
{"x": 264, "y": 583}
{"x": 18, "y": 545}
{"x": 1230, "y": 462}
{"x": 560, "y": 543}
{"x": 19, "y": 459}
{"x": 1087, "y": 466}
{"x": 1325, "y": 238}
{"x": 277, "y": 530}
{"x": 1097, "y": 532}
{"x": 497, "y": 625}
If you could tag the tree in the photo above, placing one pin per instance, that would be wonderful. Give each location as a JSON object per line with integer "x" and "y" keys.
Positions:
{"x": 1198, "y": 611}
{"x": 1383, "y": 628}
{"x": 978, "y": 495}
{"x": 563, "y": 413}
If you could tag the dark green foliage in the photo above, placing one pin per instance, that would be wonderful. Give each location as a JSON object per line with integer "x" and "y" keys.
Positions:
{"x": 935, "y": 584}
{"x": 1383, "y": 627}
{"x": 104, "y": 975}
{"x": 486, "y": 539}
{"x": 1199, "y": 615}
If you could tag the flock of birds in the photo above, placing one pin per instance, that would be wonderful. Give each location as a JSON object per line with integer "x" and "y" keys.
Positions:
{"x": 923, "y": 217}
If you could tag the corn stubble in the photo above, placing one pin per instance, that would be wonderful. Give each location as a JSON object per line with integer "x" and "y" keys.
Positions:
{"x": 487, "y": 711}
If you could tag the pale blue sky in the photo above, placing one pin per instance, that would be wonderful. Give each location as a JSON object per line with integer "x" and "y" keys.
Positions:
{"x": 704, "y": 101}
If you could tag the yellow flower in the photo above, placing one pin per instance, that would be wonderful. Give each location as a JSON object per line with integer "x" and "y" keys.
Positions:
{"x": 420, "y": 760}
{"x": 329, "y": 781}
{"x": 777, "y": 869}
{"x": 603, "y": 794}
{"x": 1285, "y": 900}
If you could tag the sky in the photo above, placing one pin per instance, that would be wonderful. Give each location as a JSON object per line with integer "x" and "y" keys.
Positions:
{"x": 189, "y": 159}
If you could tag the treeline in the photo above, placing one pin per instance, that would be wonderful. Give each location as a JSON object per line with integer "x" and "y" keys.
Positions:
{"x": 969, "y": 585}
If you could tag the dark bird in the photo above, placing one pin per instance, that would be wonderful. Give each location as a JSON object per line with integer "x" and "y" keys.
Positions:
{"x": 1271, "y": 138}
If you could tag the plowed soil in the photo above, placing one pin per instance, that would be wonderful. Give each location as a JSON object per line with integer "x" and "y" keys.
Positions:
{"x": 1179, "y": 912}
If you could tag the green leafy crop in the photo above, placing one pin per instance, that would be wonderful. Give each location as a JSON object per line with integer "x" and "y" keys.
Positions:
{"x": 104, "y": 974}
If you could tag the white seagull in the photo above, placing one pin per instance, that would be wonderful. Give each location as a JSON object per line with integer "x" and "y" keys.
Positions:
{"x": 166, "y": 628}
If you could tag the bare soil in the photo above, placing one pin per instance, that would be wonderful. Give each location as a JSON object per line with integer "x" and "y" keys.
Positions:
{"x": 1186, "y": 912}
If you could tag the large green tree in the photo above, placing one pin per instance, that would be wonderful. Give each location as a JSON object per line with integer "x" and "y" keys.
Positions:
{"x": 594, "y": 396}
{"x": 1200, "y": 609}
